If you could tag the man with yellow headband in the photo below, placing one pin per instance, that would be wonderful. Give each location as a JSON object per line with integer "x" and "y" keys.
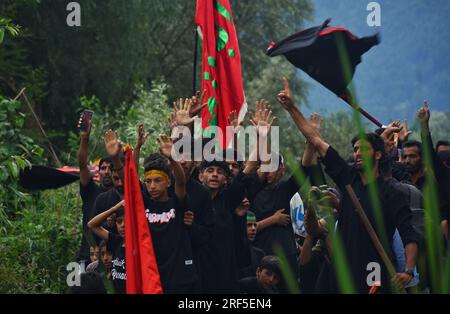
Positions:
{"x": 165, "y": 214}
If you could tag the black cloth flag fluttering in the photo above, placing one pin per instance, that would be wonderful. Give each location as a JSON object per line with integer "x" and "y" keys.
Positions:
{"x": 318, "y": 52}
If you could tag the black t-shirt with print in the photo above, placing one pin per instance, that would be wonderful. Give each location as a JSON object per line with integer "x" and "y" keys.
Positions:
{"x": 118, "y": 272}
{"x": 171, "y": 241}
{"x": 88, "y": 195}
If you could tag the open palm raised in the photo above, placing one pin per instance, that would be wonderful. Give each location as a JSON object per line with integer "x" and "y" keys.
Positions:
{"x": 165, "y": 145}
{"x": 112, "y": 143}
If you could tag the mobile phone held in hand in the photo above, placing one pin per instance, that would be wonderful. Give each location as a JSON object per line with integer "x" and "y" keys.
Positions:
{"x": 85, "y": 120}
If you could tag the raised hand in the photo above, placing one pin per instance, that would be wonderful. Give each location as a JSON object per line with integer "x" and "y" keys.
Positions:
{"x": 197, "y": 103}
{"x": 316, "y": 121}
{"x": 172, "y": 121}
{"x": 233, "y": 119}
{"x": 165, "y": 145}
{"x": 284, "y": 97}
{"x": 394, "y": 127}
{"x": 113, "y": 146}
{"x": 141, "y": 136}
{"x": 262, "y": 119}
{"x": 424, "y": 113}
{"x": 182, "y": 112}
{"x": 404, "y": 133}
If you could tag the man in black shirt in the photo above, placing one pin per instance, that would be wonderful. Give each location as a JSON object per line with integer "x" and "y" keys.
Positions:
{"x": 272, "y": 209}
{"x": 201, "y": 228}
{"x": 165, "y": 215}
{"x": 359, "y": 249}
{"x": 213, "y": 175}
{"x": 412, "y": 157}
{"x": 89, "y": 190}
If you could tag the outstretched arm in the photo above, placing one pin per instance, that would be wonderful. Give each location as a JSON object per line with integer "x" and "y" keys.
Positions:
{"x": 286, "y": 101}
{"x": 165, "y": 147}
{"x": 310, "y": 156}
{"x": 83, "y": 154}
{"x": 262, "y": 120}
{"x": 141, "y": 138}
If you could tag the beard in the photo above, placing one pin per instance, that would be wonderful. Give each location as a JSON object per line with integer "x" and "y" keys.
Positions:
{"x": 119, "y": 189}
{"x": 413, "y": 168}
{"x": 107, "y": 182}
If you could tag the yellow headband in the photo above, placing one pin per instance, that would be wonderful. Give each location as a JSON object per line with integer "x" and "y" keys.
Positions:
{"x": 156, "y": 173}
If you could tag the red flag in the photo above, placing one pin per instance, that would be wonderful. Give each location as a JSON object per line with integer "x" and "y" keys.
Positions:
{"x": 221, "y": 61}
{"x": 141, "y": 267}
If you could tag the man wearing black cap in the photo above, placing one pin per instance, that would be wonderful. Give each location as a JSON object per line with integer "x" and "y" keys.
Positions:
{"x": 213, "y": 174}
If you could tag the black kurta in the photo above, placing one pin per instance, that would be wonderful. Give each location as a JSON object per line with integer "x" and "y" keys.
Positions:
{"x": 358, "y": 246}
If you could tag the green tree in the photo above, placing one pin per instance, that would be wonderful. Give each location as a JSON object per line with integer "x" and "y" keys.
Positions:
{"x": 121, "y": 44}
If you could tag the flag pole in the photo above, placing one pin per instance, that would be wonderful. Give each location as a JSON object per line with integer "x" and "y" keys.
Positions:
{"x": 348, "y": 99}
{"x": 373, "y": 236}
{"x": 194, "y": 71}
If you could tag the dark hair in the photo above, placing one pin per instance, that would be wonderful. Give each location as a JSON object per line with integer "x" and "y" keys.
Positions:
{"x": 104, "y": 159}
{"x": 102, "y": 244}
{"x": 236, "y": 156}
{"x": 413, "y": 143}
{"x": 91, "y": 283}
{"x": 217, "y": 163}
{"x": 272, "y": 263}
{"x": 379, "y": 131}
{"x": 442, "y": 143}
{"x": 157, "y": 161}
{"x": 280, "y": 157}
{"x": 375, "y": 141}
{"x": 120, "y": 212}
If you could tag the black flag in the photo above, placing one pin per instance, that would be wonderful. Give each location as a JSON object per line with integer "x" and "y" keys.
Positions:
{"x": 327, "y": 54}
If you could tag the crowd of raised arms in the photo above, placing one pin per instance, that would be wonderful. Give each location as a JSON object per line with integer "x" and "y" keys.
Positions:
{"x": 226, "y": 227}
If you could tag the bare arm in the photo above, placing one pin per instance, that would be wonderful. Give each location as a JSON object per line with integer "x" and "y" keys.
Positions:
{"x": 262, "y": 120}
{"x": 306, "y": 252}
{"x": 310, "y": 156}
{"x": 285, "y": 99}
{"x": 233, "y": 121}
{"x": 114, "y": 149}
{"x": 165, "y": 147}
{"x": 400, "y": 280}
{"x": 278, "y": 218}
{"x": 83, "y": 155}
{"x": 141, "y": 138}
{"x": 95, "y": 224}
{"x": 411, "y": 252}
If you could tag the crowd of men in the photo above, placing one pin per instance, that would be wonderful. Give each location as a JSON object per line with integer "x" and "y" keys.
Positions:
{"x": 225, "y": 226}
